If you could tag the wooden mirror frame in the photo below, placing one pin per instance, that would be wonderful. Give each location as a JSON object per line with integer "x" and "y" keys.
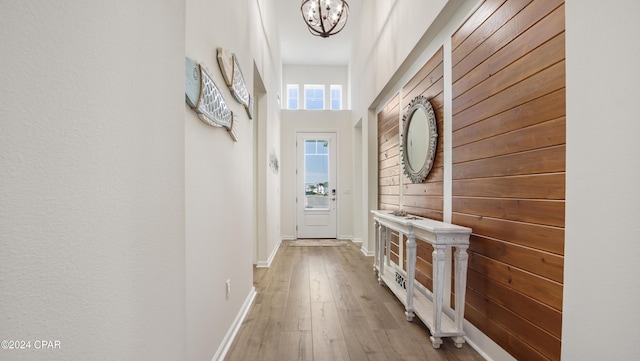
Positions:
{"x": 419, "y": 175}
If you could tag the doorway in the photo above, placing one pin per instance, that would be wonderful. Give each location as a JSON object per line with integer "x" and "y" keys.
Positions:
{"x": 316, "y": 185}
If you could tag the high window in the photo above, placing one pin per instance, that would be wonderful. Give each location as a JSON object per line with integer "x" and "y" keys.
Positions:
{"x": 336, "y": 97}
{"x": 292, "y": 96}
{"x": 313, "y": 97}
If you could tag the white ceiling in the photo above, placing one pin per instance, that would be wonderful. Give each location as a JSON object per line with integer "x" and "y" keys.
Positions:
{"x": 299, "y": 47}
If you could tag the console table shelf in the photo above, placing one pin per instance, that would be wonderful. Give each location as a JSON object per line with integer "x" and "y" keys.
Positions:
{"x": 418, "y": 301}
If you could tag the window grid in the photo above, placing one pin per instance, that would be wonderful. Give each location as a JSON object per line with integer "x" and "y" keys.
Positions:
{"x": 313, "y": 97}
{"x": 336, "y": 97}
{"x": 293, "y": 96}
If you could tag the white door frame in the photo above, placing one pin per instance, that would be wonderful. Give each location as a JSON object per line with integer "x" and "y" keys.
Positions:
{"x": 300, "y": 190}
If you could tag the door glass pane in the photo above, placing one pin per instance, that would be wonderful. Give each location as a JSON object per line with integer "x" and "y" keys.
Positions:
{"x": 316, "y": 174}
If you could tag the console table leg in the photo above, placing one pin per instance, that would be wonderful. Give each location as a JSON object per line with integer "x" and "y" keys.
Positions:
{"x": 459, "y": 341}
{"x": 376, "y": 245}
{"x": 411, "y": 273}
{"x": 438, "y": 257}
{"x": 382, "y": 240}
{"x": 436, "y": 341}
{"x": 461, "y": 258}
{"x": 410, "y": 315}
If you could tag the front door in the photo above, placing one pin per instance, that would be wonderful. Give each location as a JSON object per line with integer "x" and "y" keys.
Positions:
{"x": 316, "y": 185}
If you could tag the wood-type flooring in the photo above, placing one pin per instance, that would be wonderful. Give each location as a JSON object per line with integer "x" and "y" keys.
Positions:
{"x": 325, "y": 303}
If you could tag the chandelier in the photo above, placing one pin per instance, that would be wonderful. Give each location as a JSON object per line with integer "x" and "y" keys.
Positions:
{"x": 325, "y": 17}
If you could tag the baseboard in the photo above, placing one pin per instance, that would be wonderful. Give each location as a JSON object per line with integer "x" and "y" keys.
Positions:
{"x": 364, "y": 249}
{"x": 288, "y": 238}
{"x": 366, "y": 252}
{"x": 235, "y": 326}
{"x": 346, "y": 238}
{"x": 267, "y": 263}
{"x": 485, "y": 346}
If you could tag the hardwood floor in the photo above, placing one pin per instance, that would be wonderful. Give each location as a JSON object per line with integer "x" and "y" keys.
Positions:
{"x": 325, "y": 303}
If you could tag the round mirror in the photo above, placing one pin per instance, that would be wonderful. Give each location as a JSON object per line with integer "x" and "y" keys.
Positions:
{"x": 419, "y": 139}
{"x": 417, "y": 136}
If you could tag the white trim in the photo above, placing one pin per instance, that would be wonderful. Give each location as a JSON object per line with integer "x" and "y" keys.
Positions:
{"x": 447, "y": 122}
{"x": 367, "y": 252}
{"x": 288, "y": 238}
{"x": 363, "y": 249}
{"x": 235, "y": 326}
{"x": 358, "y": 241}
{"x": 335, "y": 132}
{"x": 267, "y": 263}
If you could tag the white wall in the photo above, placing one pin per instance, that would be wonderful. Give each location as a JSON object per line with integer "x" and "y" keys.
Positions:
{"x": 221, "y": 216}
{"x": 294, "y": 121}
{"x": 268, "y": 183}
{"x": 358, "y": 184}
{"x": 601, "y": 288}
{"x": 385, "y": 41}
{"x": 265, "y": 50}
{"x": 91, "y": 187}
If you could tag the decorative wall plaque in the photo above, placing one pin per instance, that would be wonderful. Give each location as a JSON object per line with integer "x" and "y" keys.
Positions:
{"x": 192, "y": 82}
{"x": 232, "y": 74}
{"x": 204, "y": 97}
{"x": 211, "y": 107}
{"x": 225, "y": 61}
{"x": 273, "y": 162}
{"x": 233, "y": 131}
{"x": 239, "y": 87}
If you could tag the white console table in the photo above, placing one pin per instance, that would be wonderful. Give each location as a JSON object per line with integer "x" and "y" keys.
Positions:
{"x": 416, "y": 299}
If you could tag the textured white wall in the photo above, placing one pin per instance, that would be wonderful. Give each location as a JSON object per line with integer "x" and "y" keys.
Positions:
{"x": 218, "y": 188}
{"x": 601, "y": 288}
{"x": 220, "y": 199}
{"x": 386, "y": 38}
{"x": 91, "y": 187}
{"x": 265, "y": 50}
{"x": 358, "y": 183}
{"x": 294, "y": 121}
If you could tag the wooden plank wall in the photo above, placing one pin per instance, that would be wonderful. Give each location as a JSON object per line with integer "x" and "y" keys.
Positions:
{"x": 388, "y": 156}
{"x": 509, "y": 170}
{"x": 426, "y": 198}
